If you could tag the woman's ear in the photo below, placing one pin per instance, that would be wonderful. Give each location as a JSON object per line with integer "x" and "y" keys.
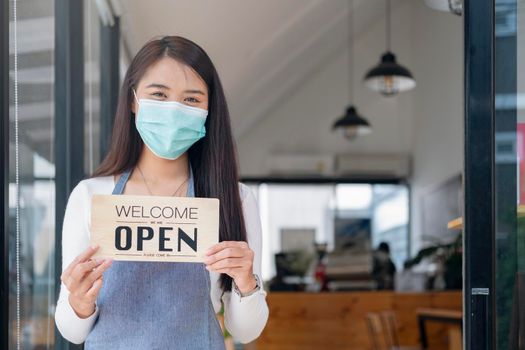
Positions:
{"x": 133, "y": 101}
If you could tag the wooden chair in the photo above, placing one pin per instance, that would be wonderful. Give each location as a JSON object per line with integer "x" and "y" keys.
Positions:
{"x": 376, "y": 332}
{"x": 383, "y": 332}
{"x": 388, "y": 319}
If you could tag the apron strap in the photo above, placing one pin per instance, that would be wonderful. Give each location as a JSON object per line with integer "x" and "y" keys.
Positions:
{"x": 119, "y": 187}
{"x": 191, "y": 189}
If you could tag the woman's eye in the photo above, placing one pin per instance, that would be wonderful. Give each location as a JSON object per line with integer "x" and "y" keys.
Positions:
{"x": 159, "y": 94}
{"x": 193, "y": 100}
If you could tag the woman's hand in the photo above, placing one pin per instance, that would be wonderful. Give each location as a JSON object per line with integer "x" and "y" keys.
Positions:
{"x": 234, "y": 258}
{"x": 83, "y": 278}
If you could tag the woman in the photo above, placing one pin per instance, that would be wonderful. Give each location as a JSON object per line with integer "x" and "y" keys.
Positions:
{"x": 172, "y": 102}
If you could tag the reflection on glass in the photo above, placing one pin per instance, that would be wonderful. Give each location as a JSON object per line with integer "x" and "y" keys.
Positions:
{"x": 509, "y": 169}
{"x": 32, "y": 246}
{"x": 33, "y": 273}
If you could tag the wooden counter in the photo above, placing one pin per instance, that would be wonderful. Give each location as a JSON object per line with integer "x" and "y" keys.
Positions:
{"x": 337, "y": 320}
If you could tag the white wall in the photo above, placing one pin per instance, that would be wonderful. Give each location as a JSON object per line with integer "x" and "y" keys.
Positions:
{"x": 437, "y": 106}
{"x": 303, "y": 208}
{"x": 426, "y": 122}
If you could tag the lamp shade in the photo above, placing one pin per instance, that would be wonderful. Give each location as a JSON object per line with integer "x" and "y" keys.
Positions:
{"x": 352, "y": 124}
{"x": 389, "y": 77}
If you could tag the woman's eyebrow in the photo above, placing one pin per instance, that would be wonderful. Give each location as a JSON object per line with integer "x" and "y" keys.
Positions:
{"x": 194, "y": 92}
{"x": 161, "y": 86}
{"x": 155, "y": 85}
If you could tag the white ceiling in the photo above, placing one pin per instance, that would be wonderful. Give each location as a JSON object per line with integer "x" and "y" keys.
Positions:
{"x": 263, "y": 50}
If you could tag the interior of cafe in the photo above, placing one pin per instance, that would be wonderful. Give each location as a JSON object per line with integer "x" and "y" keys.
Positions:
{"x": 359, "y": 178}
{"x": 348, "y": 117}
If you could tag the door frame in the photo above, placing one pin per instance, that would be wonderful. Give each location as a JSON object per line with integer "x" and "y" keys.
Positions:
{"x": 479, "y": 203}
{"x": 4, "y": 174}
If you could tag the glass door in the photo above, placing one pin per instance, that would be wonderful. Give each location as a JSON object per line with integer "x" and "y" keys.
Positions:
{"x": 494, "y": 225}
{"x": 31, "y": 176}
{"x": 49, "y": 49}
{"x": 509, "y": 173}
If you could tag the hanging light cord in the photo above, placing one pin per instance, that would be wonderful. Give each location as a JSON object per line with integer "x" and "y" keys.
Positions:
{"x": 387, "y": 24}
{"x": 350, "y": 49}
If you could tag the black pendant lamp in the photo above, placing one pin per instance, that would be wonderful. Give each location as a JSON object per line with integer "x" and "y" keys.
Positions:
{"x": 389, "y": 77}
{"x": 351, "y": 124}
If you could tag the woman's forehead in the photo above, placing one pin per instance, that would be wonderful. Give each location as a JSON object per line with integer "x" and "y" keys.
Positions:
{"x": 173, "y": 74}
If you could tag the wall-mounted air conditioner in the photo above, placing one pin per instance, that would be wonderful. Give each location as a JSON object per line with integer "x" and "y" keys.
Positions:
{"x": 373, "y": 165}
{"x": 339, "y": 165}
{"x": 293, "y": 164}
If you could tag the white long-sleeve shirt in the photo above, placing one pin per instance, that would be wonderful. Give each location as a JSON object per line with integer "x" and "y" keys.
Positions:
{"x": 244, "y": 317}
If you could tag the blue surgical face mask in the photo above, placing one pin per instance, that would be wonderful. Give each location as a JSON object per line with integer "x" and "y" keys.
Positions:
{"x": 169, "y": 128}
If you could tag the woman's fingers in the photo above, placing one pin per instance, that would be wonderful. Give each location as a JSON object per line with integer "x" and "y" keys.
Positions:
{"x": 230, "y": 257}
{"x": 227, "y": 263}
{"x": 77, "y": 274}
{"x": 228, "y": 252}
{"x": 82, "y": 257}
{"x": 226, "y": 244}
{"x": 83, "y": 268}
{"x": 83, "y": 273}
{"x": 83, "y": 279}
{"x": 94, "y": 275}
{"x": 232, "y": 271}
{"x": 92, "y": 292}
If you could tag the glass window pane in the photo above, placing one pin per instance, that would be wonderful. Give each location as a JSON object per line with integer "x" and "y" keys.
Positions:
{"x": 31, "y": 175}
{"x": 509, "y": 170}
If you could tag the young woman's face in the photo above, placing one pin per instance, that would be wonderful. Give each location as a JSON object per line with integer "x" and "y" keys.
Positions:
{"x": 169, "y": 80}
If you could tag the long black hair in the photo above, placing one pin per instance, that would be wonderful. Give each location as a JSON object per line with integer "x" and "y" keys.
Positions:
{"x": 213, "y": 158}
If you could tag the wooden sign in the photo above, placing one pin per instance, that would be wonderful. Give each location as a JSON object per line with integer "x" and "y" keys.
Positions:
{"x": 154, "y": 228}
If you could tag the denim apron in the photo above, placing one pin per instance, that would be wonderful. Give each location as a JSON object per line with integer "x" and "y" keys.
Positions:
{"x": 155, "y": 305}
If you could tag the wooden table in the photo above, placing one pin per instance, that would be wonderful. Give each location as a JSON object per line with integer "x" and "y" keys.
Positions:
{"x": 337, "y": 320}
{"x": 438, "y": 315}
